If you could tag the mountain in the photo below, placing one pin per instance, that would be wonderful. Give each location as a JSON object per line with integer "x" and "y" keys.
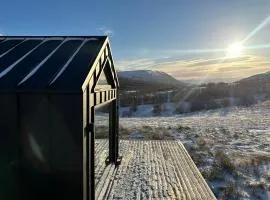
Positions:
{"x": 263, "y": 77}
{"x": 259, "y": 83}
{"x": 149, "y": 76}
{"x": 254, "y": 87}
{"x": 141, "y": 80}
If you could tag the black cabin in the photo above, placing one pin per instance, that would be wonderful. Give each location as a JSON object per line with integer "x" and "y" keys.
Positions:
{"x": 49, "y": 88}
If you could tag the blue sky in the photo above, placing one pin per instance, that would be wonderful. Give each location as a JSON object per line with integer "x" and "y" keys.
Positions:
{"x": 153, "y": 34}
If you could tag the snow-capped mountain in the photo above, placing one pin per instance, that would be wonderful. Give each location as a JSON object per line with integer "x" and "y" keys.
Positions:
{"x": 150, "y": 77}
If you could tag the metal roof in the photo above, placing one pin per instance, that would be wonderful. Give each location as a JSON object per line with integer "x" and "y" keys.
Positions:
{"x": 38, "y": 63}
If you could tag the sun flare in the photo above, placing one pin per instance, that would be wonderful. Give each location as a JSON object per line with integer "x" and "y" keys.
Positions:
{"x": 235, "y": 50}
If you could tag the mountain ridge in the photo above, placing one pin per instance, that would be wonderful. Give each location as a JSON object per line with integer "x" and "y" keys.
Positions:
{"x": 148, "y": 75}
{"x": 257, "y": 77}
{"x": 148, "y": 79}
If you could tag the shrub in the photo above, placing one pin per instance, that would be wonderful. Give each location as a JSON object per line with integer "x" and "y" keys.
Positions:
{"x": 133, "y": 107}
{"x": 223, "y": 161}
{"x": 101, "y": 132}
{"x": 157, "y": 109}
{"x": 230, "y": 192}
{"x": 201, "y": 142}
{"x": 123, "y": 132}
{"x": 215, "y": 174}
{"x": 197, "y": 105}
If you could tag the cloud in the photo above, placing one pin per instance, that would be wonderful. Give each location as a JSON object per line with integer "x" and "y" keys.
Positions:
{"x": 1, "y": 34}
{"x": 201, "y": 69}
{"x": 205, "y": 69}
{"x": 105, "y": 30}
{"x": 135, "y": 64}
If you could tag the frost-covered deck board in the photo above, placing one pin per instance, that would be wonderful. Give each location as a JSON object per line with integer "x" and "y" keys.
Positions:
{"x": 153, "y": 170}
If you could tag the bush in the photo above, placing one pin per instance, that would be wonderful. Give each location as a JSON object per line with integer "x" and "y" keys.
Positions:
{"x": 134, "y": 107}
{"x": 102, "y": 132}
{"x": 216, "y": 173}
{"x": 183, "y": 107}
{"x": 223, "y": 161}
{"x": 230, "y": 192}
{"x": 197, "y": 106}
{"x": 157, "y": 109}
{"x": 123, "y": 132}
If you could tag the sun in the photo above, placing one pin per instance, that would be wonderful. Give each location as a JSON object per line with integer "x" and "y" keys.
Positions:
{"x": 235, "y": 50}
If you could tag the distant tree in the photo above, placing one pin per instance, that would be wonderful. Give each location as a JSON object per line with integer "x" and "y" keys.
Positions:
{"x": 247, "y": 100}
{"x": 134, "y": 105}
{"x": 183, "y": 107}
{"x": 157, "y": 109}
{"x": 197, "y": 105}
{"x": 127, "y": 114}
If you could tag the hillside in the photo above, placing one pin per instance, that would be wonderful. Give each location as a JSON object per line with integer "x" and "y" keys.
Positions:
{"x": 263, "y": 77}
{"x": 147, "y": 80}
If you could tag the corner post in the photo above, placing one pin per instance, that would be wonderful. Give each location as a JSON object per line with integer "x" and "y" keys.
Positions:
{"x": 114, "y": 128}
{"x": 117, "y": 127}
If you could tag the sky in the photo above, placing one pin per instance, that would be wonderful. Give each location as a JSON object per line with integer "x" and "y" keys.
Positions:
{"x": 187, "y": 39}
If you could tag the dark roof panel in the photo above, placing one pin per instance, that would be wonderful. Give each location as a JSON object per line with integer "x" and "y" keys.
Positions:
{"x": 15, "y": 54}
{"x": 74, "y": 74}
{"x": 7, "y": 45}
{"x": 47, "y": 63}
{"x": 24, "y": 67}
{"x": 45, "y": 74}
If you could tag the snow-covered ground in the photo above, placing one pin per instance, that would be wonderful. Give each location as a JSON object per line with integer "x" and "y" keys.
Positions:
{"x": 147, "y": 110}
{"x": 231, "y": 147}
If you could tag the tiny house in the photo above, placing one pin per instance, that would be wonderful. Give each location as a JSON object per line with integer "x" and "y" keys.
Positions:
{"x": 49, "y": 88}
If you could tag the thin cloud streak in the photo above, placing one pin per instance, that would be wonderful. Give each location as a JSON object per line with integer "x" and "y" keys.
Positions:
{"x": 105, "y": 30}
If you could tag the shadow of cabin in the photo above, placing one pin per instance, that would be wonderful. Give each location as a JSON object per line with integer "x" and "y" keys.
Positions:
{"x": 49, "y": 87}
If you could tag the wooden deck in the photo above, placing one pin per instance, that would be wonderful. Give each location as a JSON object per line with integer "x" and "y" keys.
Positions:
{"x": 149, "y": 170}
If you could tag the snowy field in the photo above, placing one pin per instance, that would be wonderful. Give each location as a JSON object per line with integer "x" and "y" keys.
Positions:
{"x": 231, "y": 147}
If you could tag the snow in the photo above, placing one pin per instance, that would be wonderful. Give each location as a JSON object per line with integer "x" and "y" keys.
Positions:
{"x": 242, "y": 133}
{"x": 151, "y": 170}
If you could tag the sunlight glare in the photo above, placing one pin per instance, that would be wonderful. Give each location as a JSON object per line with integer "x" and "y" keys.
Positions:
{"x": 235, "y": 50}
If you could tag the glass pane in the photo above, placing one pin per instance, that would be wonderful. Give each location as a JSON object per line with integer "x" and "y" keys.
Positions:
{"x": 101, "y": 140}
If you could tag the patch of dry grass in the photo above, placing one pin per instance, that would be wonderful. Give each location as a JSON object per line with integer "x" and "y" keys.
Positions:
{"x": 230, "y": 192}
{"x": 222, "y": 160}
{"x": 252, "y": 159}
